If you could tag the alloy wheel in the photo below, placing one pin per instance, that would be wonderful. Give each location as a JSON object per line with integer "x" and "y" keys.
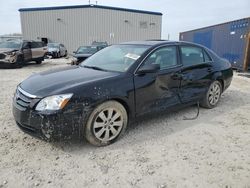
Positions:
{"x": 108, "y": 124}
{"x": 214, "y": 94}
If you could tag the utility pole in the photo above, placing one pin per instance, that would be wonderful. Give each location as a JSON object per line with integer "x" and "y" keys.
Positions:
{"x": 89, "y": 2}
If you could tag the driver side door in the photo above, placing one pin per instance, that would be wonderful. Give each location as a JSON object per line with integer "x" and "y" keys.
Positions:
{"x": 27, "y": 53}
{"x": 158, "y": 91}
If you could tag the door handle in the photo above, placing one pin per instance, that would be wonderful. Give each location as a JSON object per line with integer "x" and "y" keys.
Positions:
{"x": 209, "y": 69}
{"x": 177, "y": 76}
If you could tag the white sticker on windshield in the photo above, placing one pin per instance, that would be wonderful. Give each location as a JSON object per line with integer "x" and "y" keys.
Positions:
{"x": 132, "y": 56}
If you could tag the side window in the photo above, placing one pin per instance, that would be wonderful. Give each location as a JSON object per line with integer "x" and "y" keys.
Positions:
{"x": 34, "y": 45}
{"x": 206, "y": 57}
{"x": 40, "y": 44}
{"x": 26, "y": 45}
{"x": 191, "y": 55}
{"x": 166, "y": 57}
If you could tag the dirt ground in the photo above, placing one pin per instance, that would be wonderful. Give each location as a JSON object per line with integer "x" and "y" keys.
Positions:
{"x": 163, "y": 151}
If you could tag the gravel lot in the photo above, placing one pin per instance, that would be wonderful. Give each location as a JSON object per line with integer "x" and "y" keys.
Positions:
{"x": 162, "y": 151}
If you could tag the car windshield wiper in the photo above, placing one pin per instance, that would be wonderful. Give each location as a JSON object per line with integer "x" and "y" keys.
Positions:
{"x": 94, "y": 67}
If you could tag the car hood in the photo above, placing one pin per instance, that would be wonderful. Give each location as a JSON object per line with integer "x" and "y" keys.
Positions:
{"x": 4, "y": 50}
{"x": 58, "y": 80}
{"x": 53, "y": 49}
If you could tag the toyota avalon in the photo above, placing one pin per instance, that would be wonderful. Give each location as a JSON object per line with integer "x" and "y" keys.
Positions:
{"x": 97, "y": 99}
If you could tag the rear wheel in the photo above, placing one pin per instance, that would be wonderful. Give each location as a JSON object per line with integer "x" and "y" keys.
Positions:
{"x": 106, "y": 123}
{"x": 39, "y": 62}
{"x": 213, "y": 95}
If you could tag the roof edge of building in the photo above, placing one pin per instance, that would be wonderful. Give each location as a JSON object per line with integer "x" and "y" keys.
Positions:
{"x": 89, "y": 6}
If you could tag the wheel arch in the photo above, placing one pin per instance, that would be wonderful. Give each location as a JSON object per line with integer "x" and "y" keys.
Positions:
{"x": 219, "y": 77}
{"x": 116, "y": 99}
{"x": 123, "y": 103}
{"x": 222, "y": 83}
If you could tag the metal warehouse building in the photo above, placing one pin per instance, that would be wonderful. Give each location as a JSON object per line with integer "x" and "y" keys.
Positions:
{"x": 229, "y": 40}
{"x": 81, "y": 25}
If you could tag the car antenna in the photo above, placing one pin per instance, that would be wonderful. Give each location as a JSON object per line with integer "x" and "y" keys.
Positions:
{"x": 197, "y": 115}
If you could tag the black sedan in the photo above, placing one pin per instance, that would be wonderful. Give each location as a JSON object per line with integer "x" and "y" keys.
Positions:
{"x": 84, "y": 52}
{"x": 98, "y": 99}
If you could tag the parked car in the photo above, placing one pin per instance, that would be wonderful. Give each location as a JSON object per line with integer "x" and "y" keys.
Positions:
{"x": 15, "y": 53}
{"x": 57, "y": 50}
{"x": 100, "y": 44}
{"x": 98, "y": 99}
{"x": 84, "y": 52}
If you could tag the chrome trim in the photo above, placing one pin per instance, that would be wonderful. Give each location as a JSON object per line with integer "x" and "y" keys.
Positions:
{"x": 26, "y": 93}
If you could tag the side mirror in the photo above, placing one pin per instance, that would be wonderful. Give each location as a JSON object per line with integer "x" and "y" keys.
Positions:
{"x": 152, "y": 68}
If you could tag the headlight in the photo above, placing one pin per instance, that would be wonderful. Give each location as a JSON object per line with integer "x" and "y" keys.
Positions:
{"x": 55, "y": 102}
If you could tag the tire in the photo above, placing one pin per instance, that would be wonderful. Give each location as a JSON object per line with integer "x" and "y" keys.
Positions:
{"x": 213, "y": 95}
{"x": 38, "y": 62}
{"x": 106, "y": 124}
{"x": 19, "y": 62}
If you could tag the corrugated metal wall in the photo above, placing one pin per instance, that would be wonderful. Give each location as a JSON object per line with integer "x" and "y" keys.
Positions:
{"x": 76, "y": 27}
{"x": 228, "y": 40}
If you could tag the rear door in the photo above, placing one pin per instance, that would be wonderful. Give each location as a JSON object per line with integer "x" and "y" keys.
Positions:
{"x": 196, "y": 74}
{"x": 26, "y": 50}
{"x": 158, "y": 91}
{"x": 38, "y": 50}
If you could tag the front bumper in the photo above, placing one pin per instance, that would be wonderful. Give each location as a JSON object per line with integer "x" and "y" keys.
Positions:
{"x": 52, "y": 53}
{"x": 61, "y": 125}
{"x": 7, "y": 64}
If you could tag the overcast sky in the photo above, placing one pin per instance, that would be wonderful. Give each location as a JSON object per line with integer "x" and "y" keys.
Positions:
{"x": 178, "y": 15}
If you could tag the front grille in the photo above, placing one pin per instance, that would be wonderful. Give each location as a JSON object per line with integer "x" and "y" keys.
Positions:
{"x": 2, "y": 56}
{"x": 22, "y": 100}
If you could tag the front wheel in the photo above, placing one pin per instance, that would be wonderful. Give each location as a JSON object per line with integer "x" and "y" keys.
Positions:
{"x": 213, "y": 95}
{"x": 106, "y": 123}
{"x": 20, "y": 61}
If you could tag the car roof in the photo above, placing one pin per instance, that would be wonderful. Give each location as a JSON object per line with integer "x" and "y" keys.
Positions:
{"x": 158, "y": 42}
{"x": 89, "y": 46}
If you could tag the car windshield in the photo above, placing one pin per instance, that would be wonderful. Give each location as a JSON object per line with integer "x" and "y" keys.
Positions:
{"x": 53, "y": 45}
{"x": 87, "y": 50}
{"x": 10, "y": 44}
{"x": 115, "y": 58}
